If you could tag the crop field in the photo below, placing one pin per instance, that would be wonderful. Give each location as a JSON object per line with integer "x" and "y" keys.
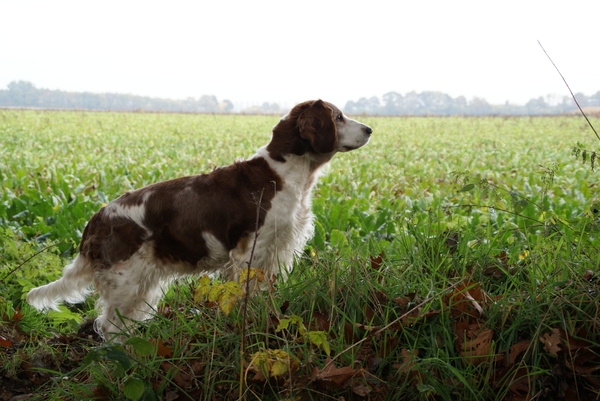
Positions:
{"x": 453, "y": 259}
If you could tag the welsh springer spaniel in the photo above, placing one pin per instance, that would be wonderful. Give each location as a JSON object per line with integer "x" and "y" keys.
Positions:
{"x": 206, "y": 223}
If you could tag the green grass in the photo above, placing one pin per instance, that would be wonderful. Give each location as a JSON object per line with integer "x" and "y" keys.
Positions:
{"x": 453, "y": 259}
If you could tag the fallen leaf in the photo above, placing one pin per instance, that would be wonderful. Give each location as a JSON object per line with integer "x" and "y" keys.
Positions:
{"x": 575, "y": 343}
{"x": 362, "y": 389}
{"x": 330, "y": 375}
{"x": 478, "y": 349}
{"x": 376, "y": 262}
{"x": 520, "y": 386}
{"x": 516, "y": 350}
{"x": 161, "y": 349}
{"x": 552, "y": 342}
{"x": 467, "y": 299}
{"x": 589, "y": 274}
{"x": 408, "y": 366}
{"x": 5, "y": 343}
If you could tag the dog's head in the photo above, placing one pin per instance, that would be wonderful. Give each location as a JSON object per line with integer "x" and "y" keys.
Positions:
{"x": 319, "y": 128}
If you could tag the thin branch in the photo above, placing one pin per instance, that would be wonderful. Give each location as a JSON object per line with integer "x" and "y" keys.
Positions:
{"x": 28, "y": 259}
{"x": 246, "y": 296}
{"x": 569, "y": 88}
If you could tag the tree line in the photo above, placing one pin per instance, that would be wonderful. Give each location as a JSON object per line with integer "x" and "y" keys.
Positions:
{"x": 24, "y": 94}
{"x": 438, "y": 103}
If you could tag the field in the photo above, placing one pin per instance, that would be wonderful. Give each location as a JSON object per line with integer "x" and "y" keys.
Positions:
{"x": 453, "y": 259}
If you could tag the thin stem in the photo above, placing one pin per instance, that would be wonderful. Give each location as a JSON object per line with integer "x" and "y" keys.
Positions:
{"x": 569, "y": 88}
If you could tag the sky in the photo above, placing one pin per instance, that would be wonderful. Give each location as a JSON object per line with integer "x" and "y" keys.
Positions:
{"x": 286, "y": 52}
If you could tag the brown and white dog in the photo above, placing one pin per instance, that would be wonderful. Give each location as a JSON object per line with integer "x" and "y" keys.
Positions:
{"x": 206, "y": 223}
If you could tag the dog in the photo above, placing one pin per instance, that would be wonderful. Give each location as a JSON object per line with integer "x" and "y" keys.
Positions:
{"x": 207, "y": 223}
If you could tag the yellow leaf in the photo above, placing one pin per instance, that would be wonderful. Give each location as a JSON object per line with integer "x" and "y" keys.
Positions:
{"x": 226, "y": 305}
{"x": 232, "y": 287}
{"x": 214, "y": 292}
{"x": 204, "y": 280}
{"x": 228, "y": 295}
{"x": 202, "y": 289}
{"x": 273, "y": 363}
{"x": 251, "y": 273}
{"x": 279, "y": 368}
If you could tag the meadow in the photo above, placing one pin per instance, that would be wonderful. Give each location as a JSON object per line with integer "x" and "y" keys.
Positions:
{"x": 453, "y": 259}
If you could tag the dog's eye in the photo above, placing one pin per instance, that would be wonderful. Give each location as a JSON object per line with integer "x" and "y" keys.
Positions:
{"x": 340, "y": 117}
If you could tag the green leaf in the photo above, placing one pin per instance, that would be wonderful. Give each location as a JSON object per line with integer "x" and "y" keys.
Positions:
{"x": 133, "y": 388}
{"x": 293, "y": 320}
{"x": 119, "y": 357}
{"x": 520, "y": 205}
{"x": 467, "y": 188}
{"x": 141, "y": 346}
{"x": 338, "y": 239}
{"x": 319, "y": 338}
{"x": 426, "y": 388}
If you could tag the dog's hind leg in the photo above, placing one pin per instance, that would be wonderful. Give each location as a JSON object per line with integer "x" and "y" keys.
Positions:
{"x": 129, "y": 292}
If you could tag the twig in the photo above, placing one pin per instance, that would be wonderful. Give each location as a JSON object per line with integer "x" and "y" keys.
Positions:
{"x": 246, "y": 296}
{"x": 29, "y": 258}
{"x": 497, "y": 208}
{"x": 569, "y": 88}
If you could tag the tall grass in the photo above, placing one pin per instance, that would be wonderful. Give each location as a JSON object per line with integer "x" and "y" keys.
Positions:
{"x": 453, "y": 259}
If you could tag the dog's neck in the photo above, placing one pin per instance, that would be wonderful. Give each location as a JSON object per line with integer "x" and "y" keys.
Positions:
{"x": 300, "y": 171}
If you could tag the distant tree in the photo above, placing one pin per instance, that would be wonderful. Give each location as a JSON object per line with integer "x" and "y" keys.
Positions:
{"x": 537, "y": 106}
{"x": 226, "y": 106}
{"x": 412, "y": 104}
{"x": 351, "y": 107}
{"x": 479, "y": 106}
{"x": 594, "y": 100}
{"x": 582, "y": 99}
{"x": 459, "y": 105}
{"x": 437, "y": 103}
{"x": 23, "y": 93}
{"x": 392, "y": 103}
{"x": 208, "y": 104}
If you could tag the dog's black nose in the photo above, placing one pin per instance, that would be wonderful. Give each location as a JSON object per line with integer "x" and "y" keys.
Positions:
{"x": 368, "y": 130}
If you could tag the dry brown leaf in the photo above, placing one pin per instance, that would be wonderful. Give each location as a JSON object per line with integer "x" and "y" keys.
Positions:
{"x": 520, "y": 386}
{"x": 574, "y": 343}
{"x": 516, "y": 350}
{"x": 330, "y": 375}
{"x": 552, "y": 342}
{"x": 362, "y": 389}
{"x": 478, "y": 349}
{"x": 376, "y": 261}
{"x": 467, "y": 299}
{"x": 402, "y": 301}
{"x": 163, "y": 350}
{"x": 407, "y": 367}
{"x": 5, "y": 343}
{"x": 409, "y": 358}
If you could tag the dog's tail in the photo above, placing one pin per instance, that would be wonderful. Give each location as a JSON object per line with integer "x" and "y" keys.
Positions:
{"x": 73, "y": 287}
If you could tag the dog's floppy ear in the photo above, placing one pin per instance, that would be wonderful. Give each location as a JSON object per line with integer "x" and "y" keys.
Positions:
{"x": 316, "y": 125}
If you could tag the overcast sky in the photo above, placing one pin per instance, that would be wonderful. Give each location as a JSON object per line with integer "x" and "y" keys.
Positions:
{"x": 289, "y": 51}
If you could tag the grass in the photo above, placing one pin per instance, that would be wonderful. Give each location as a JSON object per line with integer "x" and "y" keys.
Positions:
{"x": 453, "y": 259}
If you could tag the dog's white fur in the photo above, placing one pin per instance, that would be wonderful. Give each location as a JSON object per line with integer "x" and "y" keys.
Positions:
{"x": 130, "y": 278}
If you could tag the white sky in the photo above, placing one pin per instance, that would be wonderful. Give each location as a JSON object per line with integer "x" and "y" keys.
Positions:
{"x": 289, "y": 51}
